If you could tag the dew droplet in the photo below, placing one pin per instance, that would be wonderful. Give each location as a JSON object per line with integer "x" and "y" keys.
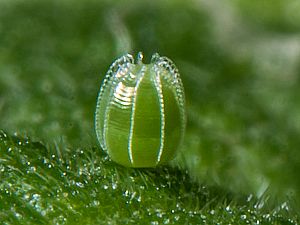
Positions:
{"x": 114, "y": 186}
{"x": 203, "y": 217}
{"x": 32, "y": 169}
{"x": 79, "y": 184}
{"x": 166, "y": 221}
{"x": 243, "y": 217}
{"x": 96, "y": 203}
{"x": 177, "y": 217}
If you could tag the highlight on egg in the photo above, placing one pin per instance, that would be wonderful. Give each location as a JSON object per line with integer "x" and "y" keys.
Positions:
{"x": 140, "y": 114}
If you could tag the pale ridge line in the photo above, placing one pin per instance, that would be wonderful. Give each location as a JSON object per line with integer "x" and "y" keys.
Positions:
{"x": 106, "y": 112}
{"x": 162, "y": 114}
{"x": 142, "y": 71}
{"x": 109, "y": 77}
{"x": 177, "y": 82}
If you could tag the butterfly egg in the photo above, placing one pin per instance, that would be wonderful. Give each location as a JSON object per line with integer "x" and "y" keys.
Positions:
{"x": 140, "y": 113}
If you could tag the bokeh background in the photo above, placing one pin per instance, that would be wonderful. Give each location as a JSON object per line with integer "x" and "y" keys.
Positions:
{"x": 240, "y": 65}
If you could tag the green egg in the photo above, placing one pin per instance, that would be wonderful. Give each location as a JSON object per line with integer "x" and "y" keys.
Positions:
{"x": 140, "y": 114}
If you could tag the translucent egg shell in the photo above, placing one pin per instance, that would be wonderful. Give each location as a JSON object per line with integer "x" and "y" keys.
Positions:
{"x": 140, "y": 113}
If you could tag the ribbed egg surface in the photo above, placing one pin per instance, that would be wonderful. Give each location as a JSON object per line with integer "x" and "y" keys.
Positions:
{"x": 140, "y": 113}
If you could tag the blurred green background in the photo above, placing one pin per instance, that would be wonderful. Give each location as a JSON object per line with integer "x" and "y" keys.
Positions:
{"x": 240, "y": 65}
